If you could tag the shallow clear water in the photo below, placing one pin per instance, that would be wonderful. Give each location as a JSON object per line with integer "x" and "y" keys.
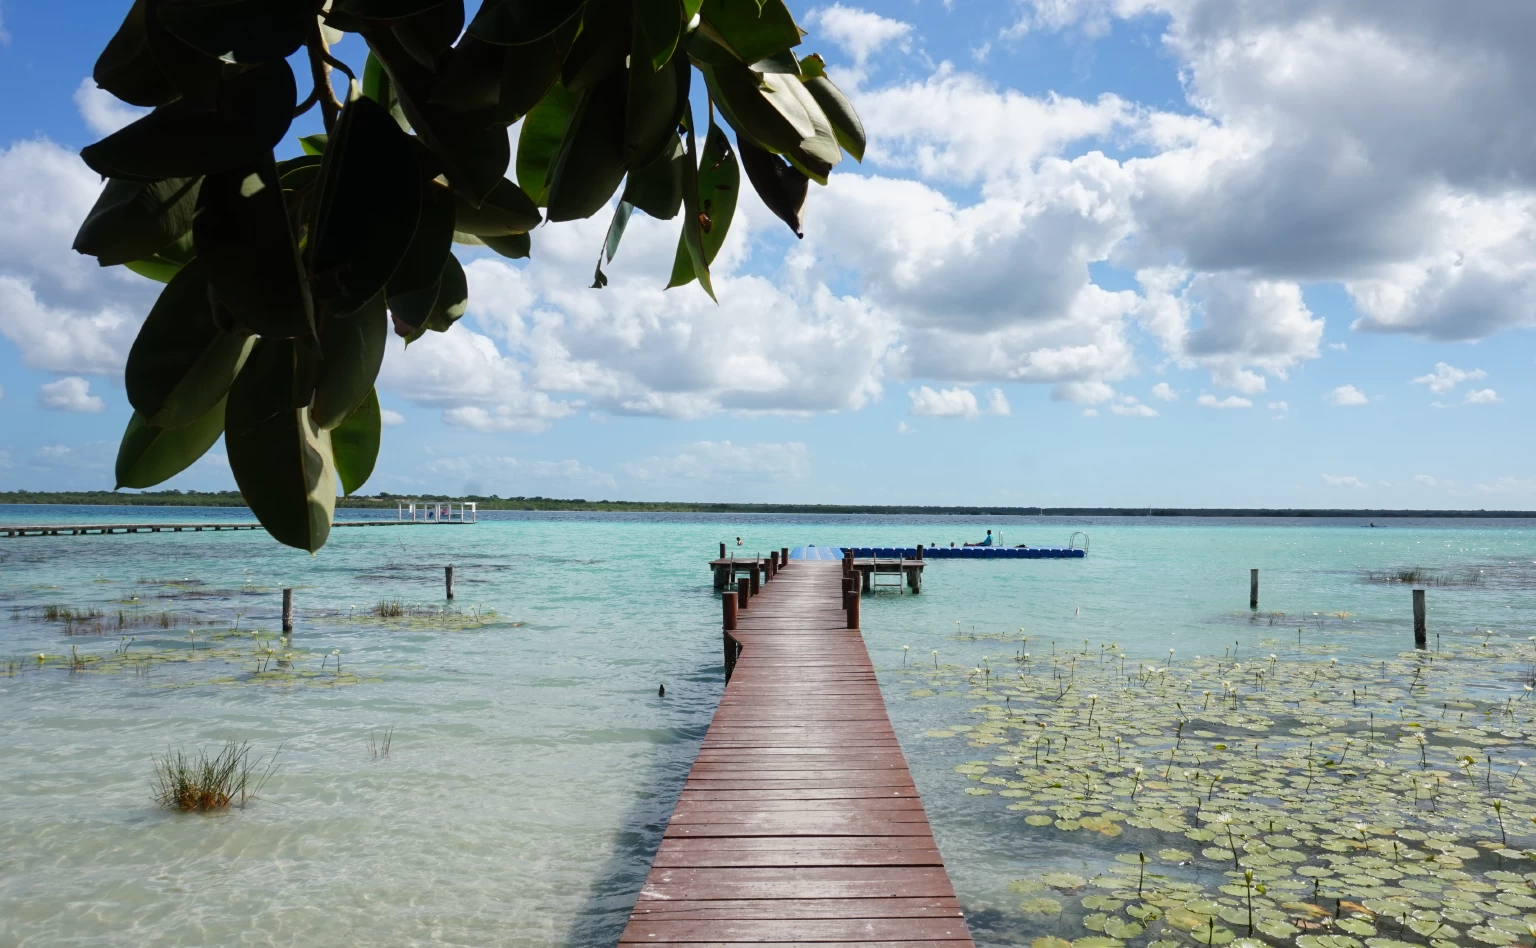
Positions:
{"x": 532, "y": 764}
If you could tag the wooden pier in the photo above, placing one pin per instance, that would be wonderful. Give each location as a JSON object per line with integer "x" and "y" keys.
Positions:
{"x": 799, "y": 822}
{"x": 105, "y": 529}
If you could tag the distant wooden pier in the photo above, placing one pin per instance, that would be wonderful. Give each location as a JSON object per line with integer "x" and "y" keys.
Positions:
{"x": 799, "y": 822}
{"x": 407, "y": 513}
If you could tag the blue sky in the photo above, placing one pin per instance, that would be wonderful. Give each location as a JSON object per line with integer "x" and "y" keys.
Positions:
{"x": 1102, "y": 252}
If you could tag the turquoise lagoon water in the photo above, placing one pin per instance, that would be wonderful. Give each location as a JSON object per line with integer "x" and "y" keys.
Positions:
{"x": 533, "y": 765}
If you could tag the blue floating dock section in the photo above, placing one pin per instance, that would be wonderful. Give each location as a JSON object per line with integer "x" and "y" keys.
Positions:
{"x": 813, "y": 552}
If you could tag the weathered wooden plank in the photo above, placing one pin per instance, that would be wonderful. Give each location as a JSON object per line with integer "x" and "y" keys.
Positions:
{"x": 652, "y": 930}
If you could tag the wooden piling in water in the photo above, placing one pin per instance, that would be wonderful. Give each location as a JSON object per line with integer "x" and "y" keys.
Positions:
{"x": 287, "y": 611}
{"x": 448, "y": 580}
{"x": 728, "y": 602}
{"x": 722, "y": 551}
{"x": 1253, "y": 589}
{"x": 853, "y": 609}
{"x": 1420, "y": 625}
{"x": 784, "y": 556}
{"x": 755, "y": 578}
{"x": 743, "y": 592}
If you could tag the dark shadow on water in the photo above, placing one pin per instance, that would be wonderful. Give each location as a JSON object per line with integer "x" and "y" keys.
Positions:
{"x": 611, "y": 898}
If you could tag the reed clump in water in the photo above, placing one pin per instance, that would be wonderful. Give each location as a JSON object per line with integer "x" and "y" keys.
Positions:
{"x": 378, "y": 746}
{"x": 202, "y": 782}
{"x": 390, "y": 609}
{"x": 83, "y": 620}
{"x": 1418, "y": 576}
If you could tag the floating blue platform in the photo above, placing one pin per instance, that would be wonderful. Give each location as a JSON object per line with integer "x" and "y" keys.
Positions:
{"x": 813, "y": 552}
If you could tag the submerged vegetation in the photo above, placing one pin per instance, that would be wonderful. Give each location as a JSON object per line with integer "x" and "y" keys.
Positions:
{"x": 1283, "y": 796}
{"x": 202, "y": 782}
{"x": 1417, "y": 576}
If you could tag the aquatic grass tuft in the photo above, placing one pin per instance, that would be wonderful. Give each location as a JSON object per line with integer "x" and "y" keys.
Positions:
{"x": 379, "y": 744}
{"x": 1418, "y": 576}
{"x": 203, "y": 783}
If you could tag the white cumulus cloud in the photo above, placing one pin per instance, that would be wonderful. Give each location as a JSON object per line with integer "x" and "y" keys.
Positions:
{"x": 1446, "y": 377}
{"x": 69, "y": 394}
{"x": 1346, "y": 395}
{"x": 944, "y": 403}
{"x": 1483, "y": 396}
{"x": 858, "y": 31}
{"x": 1207, "y": 400}
{"x": 1164, "y": 392}
{"x": 725, "y": 462}
{"x": 1342, "y": 480}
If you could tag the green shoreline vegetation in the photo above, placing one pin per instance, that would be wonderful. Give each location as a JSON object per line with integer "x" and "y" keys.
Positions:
{"x": 176, "y": 498}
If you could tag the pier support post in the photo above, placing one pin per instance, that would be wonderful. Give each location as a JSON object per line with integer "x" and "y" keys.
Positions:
{"x": 728, "y": 602}
{"x": 722, "y": 551}
{"x": 1420, "y": 626}
{"x": 287, "y": 611}
{"x": 743, "y": 592}
{"x": 853, "y": 610}
{"x": 867, "y": 579}
{"x": 784, "y": 556}
{"x": 448, "y": 580}
{"x": 773, "y": 560}
{"x": 756, "y": 578}
{"x": 1253, "y": 589}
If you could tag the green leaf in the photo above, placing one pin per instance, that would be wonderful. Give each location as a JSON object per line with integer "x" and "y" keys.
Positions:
{"x": 281, "y": 459}
{"x": 248, "y": 251}
{"x": 452, "y": 297}
{"x": 196, "y": 75}
{"x": 380, "y": 88}
{"x": 387, "y": 9}
{"x": 502, "y": 83}
{"x": 149, "y": 455}
{"x": 426, "y": 35}
{"x": 370, "y": 202}
{"x": 764, "y": 108}
{"x": 600, "y": 47}
{"x": 539, "y": 141}
{"x": 506, "y": 210}
{"x": 352, "y": 349}
{"x": 127, "y": 68}
{"x": 155, "y": 268}
{"x": 590, "y": 164}
{"x": 181, "y": 363}
{"x": 657, "y": 188}
{"x": 782, "y": 187}
{"x": 839, "y": 111}
{"x": 412, "y": 290}
{"x": 472, "y": 155}
{"x": 513, "y": 246}
{"x": 658, "y": 24}
{"x": 751, "y": 29}
{"x": 245, "y": 31}
{"x": 355, "y": 444}
{"x": 184, "y": 140}
{"x": 514, "y": 22}
{"x": 133, "y": 220}
{"x": 314, "y": 144}
{"x": 719, "y": 183}
{"x": 653, "y": 107}
{"x": 611, "y": 242}
{"x": 693, "y": 232}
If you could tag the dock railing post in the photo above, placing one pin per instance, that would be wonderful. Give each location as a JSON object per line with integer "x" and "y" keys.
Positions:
{"x": 756, "y": 578}
{"x": 853, "y": 608}
{"x": 728, "y": 603}
{"x": 448, "y": 580}
{"x": 1420, "y": 626}
{"x": 743, "y": 592}
{"x": 1253, "y": 589}
{"x": 722, "y": 551}
{"x": 784, "y": 556}
{"x": 287, "y": 611}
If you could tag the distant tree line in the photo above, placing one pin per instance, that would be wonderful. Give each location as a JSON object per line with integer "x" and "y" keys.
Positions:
{"x": 229, "y": 498}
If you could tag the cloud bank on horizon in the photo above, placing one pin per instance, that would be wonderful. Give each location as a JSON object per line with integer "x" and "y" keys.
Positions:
{"x": 993, "y": 237}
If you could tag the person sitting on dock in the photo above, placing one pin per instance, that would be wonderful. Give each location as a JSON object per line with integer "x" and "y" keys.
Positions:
{"x": 986, "y": 542}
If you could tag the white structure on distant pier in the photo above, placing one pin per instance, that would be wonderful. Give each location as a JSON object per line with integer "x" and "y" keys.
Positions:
{"x": 435, "y": 511}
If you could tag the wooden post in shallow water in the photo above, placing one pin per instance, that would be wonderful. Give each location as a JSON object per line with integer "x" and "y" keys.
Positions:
{"x": 1253, "y": 589}
{"x": 743, "y": 592}
{"x": 287, "y": 611}
{"x": 722, "y": 551}
{"x": 853, "y": 608}
{"x": 448, "y": 580}
{"x": 729, "y": 604}
{"x": 728, "y": 625}
{"x": 1420, "y": 626}
{"x": 756, "y": 578}
{"x": 784, "y": 556}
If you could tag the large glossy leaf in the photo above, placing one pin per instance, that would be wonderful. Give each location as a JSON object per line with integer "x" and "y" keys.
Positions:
{"x": 249, "y": 253}
{"x": 427, "y": 34}
{"x": 412, "y": 290}
{"x": 782, "y": 187}
{"x": 815, "y": 155}
{"x": 506, "y": 210}
{"x": 387, "y": 9}
{"x": 719, "y": 183}
{"x": 380, "y": 88}
{"x": 762, "y": 107}
{"x": 164, "y": 265}
{"x": 839, "y": 111}
{"x": 181, "y": 363}
{"x": 514, "y": 22}
{"x": 134, "y": 219}
{"x": 195, "y": 74}
{"x": 472, "y": 155}
{"x": 513, "y": 246}
{"x": 539, "y": 141}
{"x": 351, "y": 350}
{"x": 590, "y": 164}
{"x": 355, "y": 444}
{"x": 621, "y": 215}
{"x": 693, "y": 231}
{"x": 653, "y": 107}
{"x": 600, "y": 47}
{"x": 127, "y": 68}
{"x": 657, "y": 188}
{"x": 658, "y": 24}
{"x": 184, "y": 140}
{"x": 281, "y": 459}
{"x": 370, "y": 201}
{"x": 246, "y": 31}
{"x": 149, "y": 455}
{"x": 753, "y": 30}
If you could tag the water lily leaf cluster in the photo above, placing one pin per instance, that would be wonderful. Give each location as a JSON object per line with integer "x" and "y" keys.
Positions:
{"x": 1278, "y": 795}
{"x": 285, "y": 275}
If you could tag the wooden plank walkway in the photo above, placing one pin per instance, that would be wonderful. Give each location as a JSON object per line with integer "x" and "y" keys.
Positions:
{"x": 799, "y": 823}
